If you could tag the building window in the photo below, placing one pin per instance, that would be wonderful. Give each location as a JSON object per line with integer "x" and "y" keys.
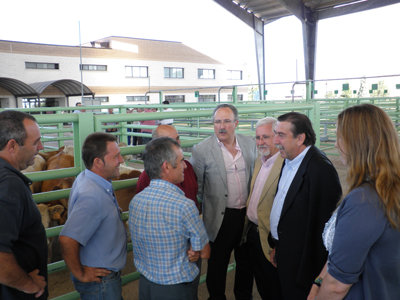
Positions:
{"x": 173, "y": 72}
{"x": 91, "y": 101}
{"x": 206, "y": 73}
{"x": 136, "y": 71}
{"x": 239, "y": 97}
{"x": 207, "y": 98}
{"x": 36, "y": 65}
{"x": 175, "y": 98}
{"x": 85, "y": 67}
{"x": 235, "y": 75}
{"x": 33, "y": 102}
{"x": 137, "y": 98}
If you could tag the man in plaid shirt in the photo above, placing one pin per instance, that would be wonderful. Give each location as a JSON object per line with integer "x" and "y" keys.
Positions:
{"x": 168, "y": 235}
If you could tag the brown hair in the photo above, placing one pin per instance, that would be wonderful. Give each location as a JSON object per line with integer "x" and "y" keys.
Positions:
{"x": 372, "y": 149}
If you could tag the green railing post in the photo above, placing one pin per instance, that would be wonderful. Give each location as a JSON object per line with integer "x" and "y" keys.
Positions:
{"x": 84, "y": 127}
{"x": 60, "y": 133}
{"x": 315, "y": 117}
{"x": 309, "y": 90}
{"x": 234, "y": 94}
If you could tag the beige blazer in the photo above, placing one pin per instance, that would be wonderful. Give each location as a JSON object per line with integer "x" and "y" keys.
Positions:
{"x": 266, "y": 200}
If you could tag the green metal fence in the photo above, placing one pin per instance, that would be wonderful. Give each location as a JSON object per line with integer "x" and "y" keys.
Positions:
{"x": 193, "y": 122}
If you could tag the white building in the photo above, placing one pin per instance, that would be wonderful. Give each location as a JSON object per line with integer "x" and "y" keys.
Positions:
{"x": 117, "y": 70}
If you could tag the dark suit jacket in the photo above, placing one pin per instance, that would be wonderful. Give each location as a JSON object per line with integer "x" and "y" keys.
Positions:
{"x": 309, "y": 203}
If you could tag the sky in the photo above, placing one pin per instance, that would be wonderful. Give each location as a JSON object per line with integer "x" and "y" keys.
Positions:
{"x": 361, "y": 44}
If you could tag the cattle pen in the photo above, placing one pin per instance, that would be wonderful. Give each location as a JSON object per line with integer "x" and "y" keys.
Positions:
{"x": 192, "y": 121}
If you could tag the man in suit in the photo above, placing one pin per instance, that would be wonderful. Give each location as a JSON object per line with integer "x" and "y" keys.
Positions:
{"x": 262, "y": 192}
{"x": 308, "y": 192}
{"x": 223, "y": 164}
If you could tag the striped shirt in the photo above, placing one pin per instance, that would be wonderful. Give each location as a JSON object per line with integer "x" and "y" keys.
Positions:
{"x": 163, "y": 224}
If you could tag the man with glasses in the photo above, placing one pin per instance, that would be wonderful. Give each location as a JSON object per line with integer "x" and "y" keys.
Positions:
{"x": 223, "y": 164}
{"x": 264, "y": 183}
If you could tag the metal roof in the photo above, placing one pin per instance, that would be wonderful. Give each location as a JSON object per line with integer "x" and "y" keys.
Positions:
{"x": 257, "y": 13}
{"x": 17, "y": 87}
{"x": 270, "y": 10}
{"x": 68, "y": 87}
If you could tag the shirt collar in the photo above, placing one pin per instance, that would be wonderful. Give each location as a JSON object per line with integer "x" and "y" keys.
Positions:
{"x": 165, "y": 185}
{"x": 7, "y": 165}
{"x": 295, "y": 162}
{"x": 267, "y": 162}
{"x": 99, "y": 180}
{"x": 221, "y": 144}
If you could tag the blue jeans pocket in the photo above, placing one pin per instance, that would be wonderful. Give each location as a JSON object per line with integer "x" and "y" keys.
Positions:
{"x": 108, "y": 289}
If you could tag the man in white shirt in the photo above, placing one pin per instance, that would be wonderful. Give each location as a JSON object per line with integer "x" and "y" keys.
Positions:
{"x": 223, "y": 164}
{"x": 308, "y": 192}
{"x": 259, "y": 203}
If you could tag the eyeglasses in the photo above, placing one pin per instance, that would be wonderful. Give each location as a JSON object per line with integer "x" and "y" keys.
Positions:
{"x": 225, "y": 122}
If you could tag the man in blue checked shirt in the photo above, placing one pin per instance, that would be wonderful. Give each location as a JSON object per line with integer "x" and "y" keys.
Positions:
{"x": 168, "y": 235}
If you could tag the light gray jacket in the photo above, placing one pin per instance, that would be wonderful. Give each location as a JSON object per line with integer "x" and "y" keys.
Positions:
{"x": 209, "y": 166}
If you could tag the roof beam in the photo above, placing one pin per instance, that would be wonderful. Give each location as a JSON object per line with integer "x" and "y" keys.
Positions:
{"x": 239, "y": 12}
{"x": 296, "y": 7}
{"x": 352, "y": 8}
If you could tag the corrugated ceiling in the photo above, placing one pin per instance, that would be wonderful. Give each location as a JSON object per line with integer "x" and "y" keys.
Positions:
{"x": 271, "y": 10}
{"x": 18, "y": 88}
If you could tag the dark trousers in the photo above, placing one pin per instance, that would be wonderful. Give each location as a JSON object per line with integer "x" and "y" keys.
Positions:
{"x": 265, "y": 274}
{"x": 228, "y": 240}
{"x": 149, "y": 290}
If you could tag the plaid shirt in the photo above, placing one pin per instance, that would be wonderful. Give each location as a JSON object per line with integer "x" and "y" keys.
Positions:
{"x": 163, "y": 224}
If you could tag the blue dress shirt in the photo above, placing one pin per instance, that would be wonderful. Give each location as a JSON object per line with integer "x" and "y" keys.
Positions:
{"x": 94, "y": 221}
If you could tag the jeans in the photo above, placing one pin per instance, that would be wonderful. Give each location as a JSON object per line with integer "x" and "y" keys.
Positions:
{"x": 108, "y": 289}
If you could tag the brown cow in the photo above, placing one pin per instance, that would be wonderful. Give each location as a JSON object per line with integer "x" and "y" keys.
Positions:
{"x": 39, "y": 164}
{"x": 125, "y": 196}
{"x": 59, "y": 161}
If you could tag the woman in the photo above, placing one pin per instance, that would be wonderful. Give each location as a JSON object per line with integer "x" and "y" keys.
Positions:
{"x": 363, "y": 235}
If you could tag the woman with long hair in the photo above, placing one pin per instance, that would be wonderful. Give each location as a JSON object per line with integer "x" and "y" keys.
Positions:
{"x": 363, "y": 235}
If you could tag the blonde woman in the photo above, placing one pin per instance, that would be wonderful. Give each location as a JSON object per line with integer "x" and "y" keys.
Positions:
{"x": 363, "y": 235}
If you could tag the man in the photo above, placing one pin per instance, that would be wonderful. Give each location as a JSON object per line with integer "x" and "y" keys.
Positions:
{"x": 264, "y": 182}
{"x": 23, "y": 244}
{"x": 93, "y": 240}
{"x": 189, "y": 183}
{"x": 223, "y": 164}
{"x": 167, "y": 232}
{"x": 308, "y": 192}
{"x": 166, "y": 121}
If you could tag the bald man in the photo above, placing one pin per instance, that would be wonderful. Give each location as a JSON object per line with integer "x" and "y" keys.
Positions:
{"x": 189, "y": 184}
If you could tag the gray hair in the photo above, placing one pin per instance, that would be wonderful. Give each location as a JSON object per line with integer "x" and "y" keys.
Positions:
{"x": 265, "y": 121}
{"x": 156, "y": 153}
{"x": 12, "y": 127}
{"x": 231, "y": 107}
